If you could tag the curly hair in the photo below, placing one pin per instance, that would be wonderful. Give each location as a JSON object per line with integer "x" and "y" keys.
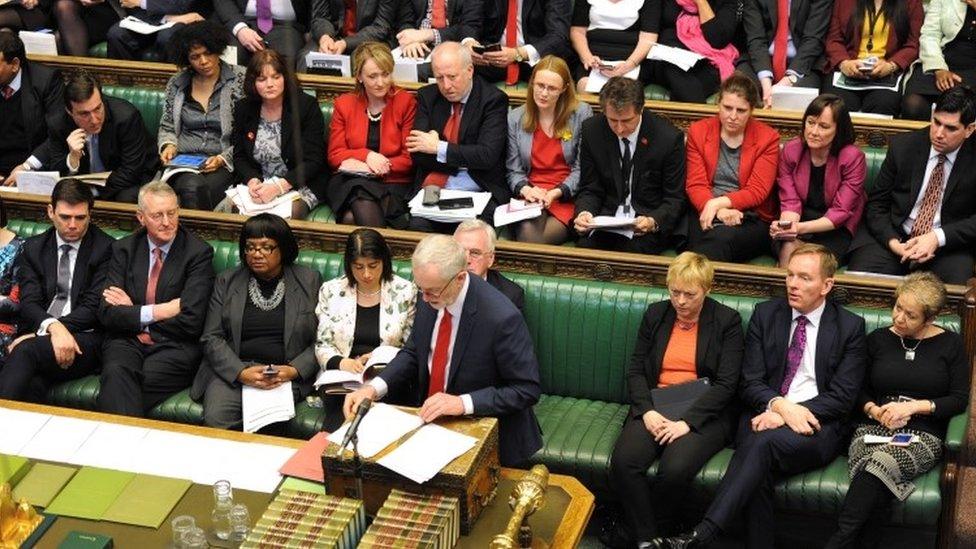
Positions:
{"x": 213, "y": 37}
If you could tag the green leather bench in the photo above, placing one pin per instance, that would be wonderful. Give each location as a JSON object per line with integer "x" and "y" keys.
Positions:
{"x": 584, "y": 332}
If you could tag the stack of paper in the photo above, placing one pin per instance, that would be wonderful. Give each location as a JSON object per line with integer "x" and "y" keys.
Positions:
{"x": 328, "y": 62}
{"x": 306, "y": 463}
{"x": 792, "y": 98}
{"x": 426, "y": 452}
{"x": 622, "y": 225}
{"x": 139, "y": 26}
{"x": 382, "y": 426}
{"x": 434, "y": 213}
{"x": 280, "y": 206}
{"x": 405, "y": 68}
{"x": 266, "y": 406}
{"x": 516, "y": 210}
{"x": 39, "y": 42}
{"x": 596, "y": 80}
{"x": 681, "y": 58}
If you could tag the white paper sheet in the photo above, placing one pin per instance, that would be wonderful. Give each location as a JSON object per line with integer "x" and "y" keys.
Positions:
{"x": 516, "y": 210}
{"x": 596, "y": 80}
{"x": 59, "y": 438}
{"x": 434, "y": 213}
{"x": 380, "y": 356}
{"x": 328, "y": 61}
{"x": 262, "y": 407}
{"x": 426, "y": 452}
{"x": 18, "y": 429}
{"x": 39, "y": 43}
{"x": 280, "y": 206}
{"x": 110, "y": 446}
{"x": 679, "y": 57}
{"x": 792, "y": 98}
{"x": 139, "y": 26}
{"x": 382, "y": 425}
{"x": 41, "y": 183}
{"x": 841, "y": 81}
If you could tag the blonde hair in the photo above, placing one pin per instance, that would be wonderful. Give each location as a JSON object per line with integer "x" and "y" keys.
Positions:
{"x": 691, "y": 268}
{"x": 378, "y": 52}
{"x": 565, "y": 105}
{"x": 828, "y": 263}
{"x": 927, "y": 289}
{"x": 158, "y": 188}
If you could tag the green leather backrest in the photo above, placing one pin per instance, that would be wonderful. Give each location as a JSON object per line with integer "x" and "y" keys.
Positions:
{"x": 149, "y": 102}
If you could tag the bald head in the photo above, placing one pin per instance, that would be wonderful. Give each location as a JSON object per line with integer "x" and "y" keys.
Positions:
{"x": 453, "y": 70}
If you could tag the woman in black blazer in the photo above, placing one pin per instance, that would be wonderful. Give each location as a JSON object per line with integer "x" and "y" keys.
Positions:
{"x": 684, "y": 339}
{"x": 261, "y": 319}
{"x": 267, "y": 156}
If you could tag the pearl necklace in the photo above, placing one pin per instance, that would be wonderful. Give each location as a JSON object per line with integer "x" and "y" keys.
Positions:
{"x": 370, "y": 294}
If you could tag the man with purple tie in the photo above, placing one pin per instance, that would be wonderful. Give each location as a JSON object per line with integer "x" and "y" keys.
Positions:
{"x": 801, "y": 373}
{"x": 258, "y": 24}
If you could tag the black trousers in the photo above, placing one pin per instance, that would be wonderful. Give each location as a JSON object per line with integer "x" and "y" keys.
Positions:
{"x": 653, "y": 243}
{"x": 137, "y": 377}
{"x": 874, "y": 101}
{"x": 126, "y": 44}
{"x": 760, "y": 460}
{"x": 285, "y": 38}
{"x": 727, "y": 243}
{"x": 32, "y": 365}
{"x": 865, "y": 508}
{"x": 867, "y": 254}
{"x": 202, "y": 191}
{"x": 692, "y": 86}
{"x": 680, "y": 461}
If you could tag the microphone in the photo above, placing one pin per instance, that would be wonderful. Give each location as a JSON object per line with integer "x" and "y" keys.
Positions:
{"x": 356, "y": 420}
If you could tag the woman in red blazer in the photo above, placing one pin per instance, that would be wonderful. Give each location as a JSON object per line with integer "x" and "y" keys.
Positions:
{"x": 366, "y": 144}
{"x": 731, "y": 171}
{"x": 885, "y": 30}
{"x": 821, "y": 182}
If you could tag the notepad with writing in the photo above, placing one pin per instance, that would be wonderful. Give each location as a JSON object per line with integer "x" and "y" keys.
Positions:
{"x": 674, "y": 400}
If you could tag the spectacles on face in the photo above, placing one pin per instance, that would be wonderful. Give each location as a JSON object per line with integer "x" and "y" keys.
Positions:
{"x": 159, "y": 216}
{"x": 475, "y": 253}
{"x": 438, "y": 293}
{"x": 540, "y": 87}
{"x": 263, "y": 249}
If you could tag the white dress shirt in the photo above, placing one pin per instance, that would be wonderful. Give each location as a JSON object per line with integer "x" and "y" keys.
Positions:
{"x": 281, "y": 10}
{"x": 804, "y": 384}
{"x": 937, "y": 220}
{"x": 146, "y": 311}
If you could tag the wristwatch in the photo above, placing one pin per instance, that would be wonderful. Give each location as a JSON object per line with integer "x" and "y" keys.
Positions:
{"x": 792, "y": 78}
{"x": 518, "y": 55}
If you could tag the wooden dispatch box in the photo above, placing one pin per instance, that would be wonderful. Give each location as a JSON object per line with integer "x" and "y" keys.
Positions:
{"x": 472, "y": 477}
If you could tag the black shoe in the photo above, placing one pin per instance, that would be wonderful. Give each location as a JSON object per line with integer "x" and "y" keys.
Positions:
{"x": 614, "y": 535}
{"x": 681, "y": 541}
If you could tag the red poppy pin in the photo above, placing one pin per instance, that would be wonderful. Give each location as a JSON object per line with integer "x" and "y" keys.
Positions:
{"x": 643, "y": 141}
{"x": 250, "y": 136}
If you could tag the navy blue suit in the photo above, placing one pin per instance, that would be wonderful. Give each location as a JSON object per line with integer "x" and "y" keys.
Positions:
{"x": 761, "y": 458}
{"x": 493, "y": 360}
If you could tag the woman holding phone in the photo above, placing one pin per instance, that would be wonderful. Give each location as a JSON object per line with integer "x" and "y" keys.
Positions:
{"x": 917, "y": 379}
{"x": 821, "y": 182}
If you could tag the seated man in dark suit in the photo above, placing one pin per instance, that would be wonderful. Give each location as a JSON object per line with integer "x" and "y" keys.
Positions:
{"x": 483, "y": 362}
{"x": 801, "y": 374}
{"x": 153, "y": 307}
{"x": 921, "y": 210}
{"x": 424, "y": 24}
{"x": 61, "y": 273}
{"x": 632, "y": 165}
{"x": 27, "y": 92}
{"x": 101, "y": 134}
{"x": 459, "y": 134}
{"x": 543, "y": 30}
{"x": 478, "y": 239}
{"x": 258, "y": 24}
{"x": 128, "y": 44}
{"x": 340, "y": 26}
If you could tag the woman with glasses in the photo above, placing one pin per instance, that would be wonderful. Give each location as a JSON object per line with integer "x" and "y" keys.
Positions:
{"x": 261, "y": 325}
{"x": 543, "y": 147}
{"x": 682, "y": 340}
{"x": 367, "y": 307}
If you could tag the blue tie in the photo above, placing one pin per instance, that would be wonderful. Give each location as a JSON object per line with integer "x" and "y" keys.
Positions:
{"x": 96, "y": 160}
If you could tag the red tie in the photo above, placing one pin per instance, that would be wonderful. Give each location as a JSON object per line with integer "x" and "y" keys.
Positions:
{"x": 451, "y": 136}
{"x": 157, "y": 266}
{"x": 8, "y": 92}
{"x": 439, "y": 14}
{"x": 349, "y": 20}
{"x": 438, "y": 365}
{"x": 779, "y": 40}
{"x": 511, "y": 37}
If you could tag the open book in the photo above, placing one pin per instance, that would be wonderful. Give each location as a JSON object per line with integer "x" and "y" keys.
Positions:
{"x": 341, "y": 381}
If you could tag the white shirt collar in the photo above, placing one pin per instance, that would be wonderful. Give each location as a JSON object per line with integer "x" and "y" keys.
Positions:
{"x": 633, "y": 137}
{"x": 164, "y": 247}
{"x": 15, "y": 83}
{"x": 813, "y": 317}
{"x": 61, "y": 242}
{"x": 458, "y": 306}
{"x": 950, "y": 156}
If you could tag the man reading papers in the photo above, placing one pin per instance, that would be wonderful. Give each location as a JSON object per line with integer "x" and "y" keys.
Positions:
{"x": 469, "y": 353}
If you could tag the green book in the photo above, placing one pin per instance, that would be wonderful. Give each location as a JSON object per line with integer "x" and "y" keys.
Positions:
{"x": 12, "y": 468}
{"x": 90, "y": 493}
{"x": 43, "y": 482}
{"x": 302, "y": 485}
{"x": 147, "y": 500}
{"x": 84, "y": 540}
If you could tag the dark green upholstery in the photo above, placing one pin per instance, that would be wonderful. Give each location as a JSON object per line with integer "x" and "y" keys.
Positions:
{"x": 149, "y": 102}
{"x": 99, "y": 50}
{"x": 656, "y": 92}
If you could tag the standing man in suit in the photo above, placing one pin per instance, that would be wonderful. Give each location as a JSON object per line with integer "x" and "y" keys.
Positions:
{"x": 153, "y": 307}
{"x": 101, "y": 134}
{"x": 478, "y": 239}
{"x": 801, "y": 373}
{"x": 340, "y": 26}
{"x": 469, "y": 353}
{"x": 27, "y": 92}
{"x": 784, "y": 39}
{"x": 921, "y": 210}
{"x": 425, "y": 24}
{"x": 632, "y": 164}
{"x": 460, "y": 133}
{"x": 259, "y": 24}
{"x": 62, "y": 271}
{"x": 527, "y": 31}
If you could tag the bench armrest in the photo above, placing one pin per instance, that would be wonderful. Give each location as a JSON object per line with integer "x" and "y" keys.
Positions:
{"x": 956, "y": 432}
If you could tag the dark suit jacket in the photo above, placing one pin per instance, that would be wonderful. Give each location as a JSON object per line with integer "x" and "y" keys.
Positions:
{"x": 464, "y": 18}
{"x": 304, "y": 158}
{"x": 509, "y": 289}
{"x": 897, "y": 186}
{"x": 718, "y": 356}
{"x": 493, "y": 360}
{"x": 841, "y": 46}
{"x": 840, "y": 359}
{"x": 124, "y": 146}
{"x": 38, "y": 264}
{"x": 545, "y": 24}
{"x": 808, "y": 28}
{"x": 658, "y": 177}
{"x": 231, "y": 12}
{"x": 482, "y": 137}
{"x": 41, "y": 92}
{"x": 187, "y": 274}
{"x": 375, "y": 20}
{"x": 222, "y": 332}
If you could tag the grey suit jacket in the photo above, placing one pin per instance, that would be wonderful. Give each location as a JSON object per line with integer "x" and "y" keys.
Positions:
{"x": 808, "y": 21}
{"x": 519, "y": 159}
{"x": 222, "y": 331}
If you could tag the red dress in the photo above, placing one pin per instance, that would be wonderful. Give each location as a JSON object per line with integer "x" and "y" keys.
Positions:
{"x": 549, "y": 170}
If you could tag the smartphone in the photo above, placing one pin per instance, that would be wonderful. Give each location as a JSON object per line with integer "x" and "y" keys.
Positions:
{"x": 480, "y": 50}
{"x": 605, "y": 66}
{"x": 456, "y": 203}
{"x": 784, "y": 224}
{"x": 902, "y": 439}
{"x": 269, "y": 371}
{"x": 432, "y": 194}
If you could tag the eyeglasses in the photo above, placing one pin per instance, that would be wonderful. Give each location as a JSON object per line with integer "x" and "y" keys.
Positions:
{"x": 539, "y": 86}
{"x": 436, "y": 295}
{"x": 264, "y": 249}
{"x": 158, "y": 216}
{"x": 476, "y": 253}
